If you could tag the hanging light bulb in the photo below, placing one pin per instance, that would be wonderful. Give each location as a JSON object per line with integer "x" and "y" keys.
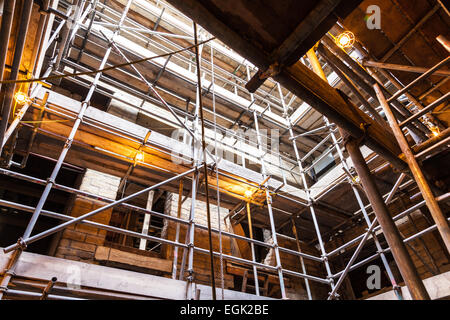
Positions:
{"x": 139, "y": 156}
{"x": 435, "y": 130}
{"x": 248, "y": 193}
{"x": 21, "y": 97}
{"x": 345, "y": 39}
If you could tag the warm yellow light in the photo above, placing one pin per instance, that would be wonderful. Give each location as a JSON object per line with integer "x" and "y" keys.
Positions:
{"x": 139, "y": 156}
{"x": 248, "y": 193}
{"x": 435, "y": 131}
{"x": 345, "y": 39}
{"x": 21, "y": 97}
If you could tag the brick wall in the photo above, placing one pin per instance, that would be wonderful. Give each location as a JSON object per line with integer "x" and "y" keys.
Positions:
{"x": 79, "y": 242}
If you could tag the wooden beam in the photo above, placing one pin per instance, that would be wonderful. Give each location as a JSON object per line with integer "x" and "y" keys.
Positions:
{"x": 399, "y": 67}
{"x": 106, "y": 254}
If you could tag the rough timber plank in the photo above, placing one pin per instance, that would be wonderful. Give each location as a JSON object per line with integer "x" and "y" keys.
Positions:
{"x": 240, "y": 270}
{"x": 114, "y": 255}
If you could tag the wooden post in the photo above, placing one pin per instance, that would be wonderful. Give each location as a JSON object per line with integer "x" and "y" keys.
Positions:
{"x": 419, "y": 177}
{"x": 390, "y": 231}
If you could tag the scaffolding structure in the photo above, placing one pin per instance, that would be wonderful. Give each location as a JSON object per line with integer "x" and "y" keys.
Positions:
{"x": 273, "y": 108}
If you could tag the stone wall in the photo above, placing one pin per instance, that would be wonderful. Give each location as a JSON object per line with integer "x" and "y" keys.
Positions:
{"x": 200, "y": 216}
{"x": 79, "y": 242}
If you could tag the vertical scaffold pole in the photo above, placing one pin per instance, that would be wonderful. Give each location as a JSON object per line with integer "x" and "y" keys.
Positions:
{"x": 269, "y": 208}
{"x": 205, "y": 167}
{"x": 252, "y": 246}
{"x": 190, "y": 233}
{"x": 252, "y": 99}
{"x": 177, "y": 232}
{"x": 294, "y": 228}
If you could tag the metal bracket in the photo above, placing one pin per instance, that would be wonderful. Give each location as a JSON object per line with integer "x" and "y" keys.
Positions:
{"x": 22, "y": 244}
{"x": 10, "y": 272}
{"x": 258, "y": 79}
{"x": 190, "y": 276}
{"x": 363, "y": 126}
{"x": 271, "y": 71}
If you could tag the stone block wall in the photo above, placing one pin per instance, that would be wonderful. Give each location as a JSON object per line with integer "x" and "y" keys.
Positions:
{"x": 200, "y": 216}
{"x": 79, "y": 241}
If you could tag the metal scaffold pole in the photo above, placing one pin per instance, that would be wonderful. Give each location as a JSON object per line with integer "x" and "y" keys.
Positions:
{"x": 10, "y": 88}
{"x": 205, "y": 167}
{"x": 177, "y": 232}
{"x": 255, "y": 272}
{"x": 269, "y": 208}
{"x": 294, "y": 229}
{"x": 252, "y": 246}
{"x": 189, "y": 253}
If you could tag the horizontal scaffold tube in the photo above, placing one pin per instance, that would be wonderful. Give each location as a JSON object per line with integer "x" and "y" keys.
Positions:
{"x": 59, "y": 216}
{"x": 377, "y": 228}
{"x": 24, "y": 242}
{"x": 406, "y": 240}
{"x": 145, "y": 211}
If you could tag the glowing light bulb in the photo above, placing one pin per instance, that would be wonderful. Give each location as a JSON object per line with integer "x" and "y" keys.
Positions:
{"x": 139, "y": 156}
{"x": 435, "y": 131}
{"x": 248, "y": 193}
{"x": 21, "y": 97}
{"x": 345, "y": 39}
